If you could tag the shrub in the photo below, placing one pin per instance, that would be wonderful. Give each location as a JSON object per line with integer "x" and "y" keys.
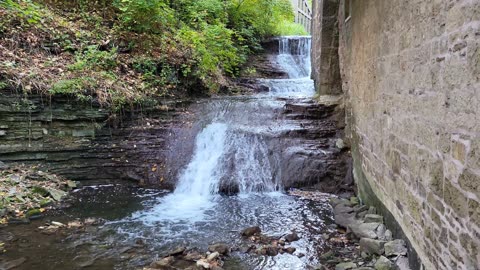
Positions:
{"x": 145, "y": 16}
{"x": 92, "y": 58}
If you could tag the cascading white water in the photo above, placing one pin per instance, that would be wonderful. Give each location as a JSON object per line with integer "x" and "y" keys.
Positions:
{"x": 232, "y": 152}
{"x": 201, "y": 177}
{"x": 294, "y": 57}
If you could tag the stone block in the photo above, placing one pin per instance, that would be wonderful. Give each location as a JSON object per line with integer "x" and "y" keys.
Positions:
{"x": 455, "y": 199}
{"x": 474, "y": 211}
{"x": 372, "y": 246}
{"x": 395, "y": 248}
{"x": 384, "y": 263}
{"x": 373, "y": 218}
{"x": 364, "y": 230}
{"x": 436, "y": 177}
{"x": 470, "y": 182}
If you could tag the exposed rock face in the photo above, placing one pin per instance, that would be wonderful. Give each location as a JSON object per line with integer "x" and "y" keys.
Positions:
{"x": 81, "y": 142}
{"x": 412, "y": 116}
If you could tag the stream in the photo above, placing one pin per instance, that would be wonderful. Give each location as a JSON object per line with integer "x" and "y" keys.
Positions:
{"x": 240, "y": 164}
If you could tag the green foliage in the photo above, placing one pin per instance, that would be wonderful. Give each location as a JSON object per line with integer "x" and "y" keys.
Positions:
{"x": 77, "y": 87}
{"x": 145, "y": 16}
{"x": 218, "y": 34}
{"x": 92, "y": 58}
{"x": 25, "y": 10}
{"x": 288, "y": 28}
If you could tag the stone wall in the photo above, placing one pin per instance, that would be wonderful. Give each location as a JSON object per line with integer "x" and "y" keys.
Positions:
{"x": 325, "y": 47}
{"x": 84, "y": 142}
{"x": 410, "y": 74}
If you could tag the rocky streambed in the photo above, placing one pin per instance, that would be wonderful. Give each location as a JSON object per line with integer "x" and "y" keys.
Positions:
{"x": 307, "y": 230}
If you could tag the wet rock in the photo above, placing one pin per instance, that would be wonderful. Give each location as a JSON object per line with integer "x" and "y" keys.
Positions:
{"x": 372, "y": 210}
{"x": 402, "y": 263}
{"x": 360, "y": 208}
{"x": 12, "y": 264}
{"x": 290, "y": 250}
{"x": 164, "y": 263}
{"x": 57, "y": 224}
{"x": 319, "y": 267}
{"x": 345, "y": 266}
{"x": 75, "y": 224}
{"x": 177, "y": 251}
{"x": 203, "y": 263}
{"x": 373, "y": 218}
{"x": 292, "y": 237}
{"x": 327, "y": 256}
{"x": 363, "y": 268}
{"x": 372, "y": 246}
{"x": 300, "y": 255}
{"x": 213, "y": 256}
{"x": 388, "y": 235}
{"x": 395, "y": 248}
{"x": 381, "y": 230}
{"x": 192, "y": 256}
{"x": 384, "y": 264}
{"x": 267, "y": 250}
{"x": 340, "y": 144}
{"x": 361, "y": 215}
{"x": 220, "y": 248}
{"x": 344, "y": 215}
{"x": 251, "y": 231}
{"x": 364, "y": 230}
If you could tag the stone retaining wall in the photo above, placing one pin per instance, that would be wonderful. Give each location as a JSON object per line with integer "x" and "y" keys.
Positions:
{"x": 410, "y": 74}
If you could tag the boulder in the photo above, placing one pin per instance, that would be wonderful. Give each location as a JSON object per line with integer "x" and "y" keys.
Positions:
{"x": 213, "y": 256}
{"x": 372, "y": 210}
{"x": 220, "y": 248}
{"x": 384, "y": 264}
{"x": 388, "y": 235}
{"x": 344, "y": 215}
{"x": 373, "y": 218}
{"x": 203, "y": 263}
{"x": 292, "y": 237}
{"x": 364, "y": 230}
{"x": 381, "y": 232}
{"x": 164, "y": 263}
{"x": 272, "y": 251}
{"x": 177, "y": 251}
{"x": 251, "y": 231}
{"x": 192, "y": 256}
{"x": 290, "y": 250}
{"x": 372, "y": 246}
{"x": 345, "y": 266}
{"x": 395, "y": 248}
{"x": 319, "y": 267}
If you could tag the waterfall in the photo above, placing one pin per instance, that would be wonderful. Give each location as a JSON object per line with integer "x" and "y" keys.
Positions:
{"x": 231, "y": 152}
{"x": 227, "y": 157}
{"x": 294, "y": 56}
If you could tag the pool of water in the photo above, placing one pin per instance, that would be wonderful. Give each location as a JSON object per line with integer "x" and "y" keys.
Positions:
{"x": 135, "y": 215}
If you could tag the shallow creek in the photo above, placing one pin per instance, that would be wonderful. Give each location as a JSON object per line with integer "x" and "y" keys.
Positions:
{"x": 237, "y": 150}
